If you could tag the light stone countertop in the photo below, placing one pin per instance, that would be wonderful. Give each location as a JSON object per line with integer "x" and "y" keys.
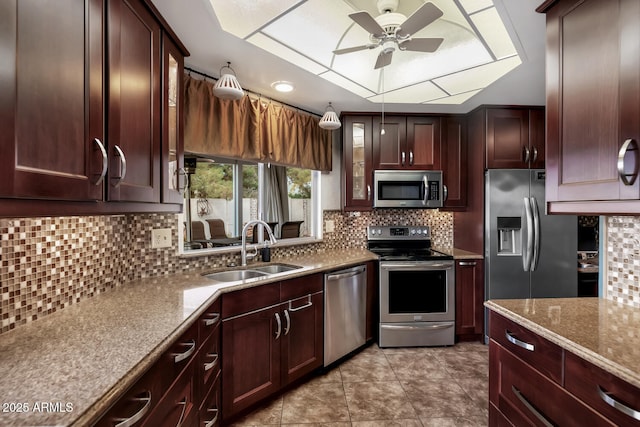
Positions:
{"x": 87, "y": 355}
{"x": 600, "y": 331}
{"x": 458, "y": 253}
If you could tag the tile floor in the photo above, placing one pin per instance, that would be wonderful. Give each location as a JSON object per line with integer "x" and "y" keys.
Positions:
{"x": 409, "y": 387}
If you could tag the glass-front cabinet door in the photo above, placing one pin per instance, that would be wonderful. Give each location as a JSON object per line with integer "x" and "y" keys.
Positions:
{"x": 172, "y": 132}
{"x": 358, "y": 158}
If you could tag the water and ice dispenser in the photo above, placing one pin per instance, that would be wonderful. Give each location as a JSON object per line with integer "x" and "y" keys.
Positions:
{"x": 509, "y": 235}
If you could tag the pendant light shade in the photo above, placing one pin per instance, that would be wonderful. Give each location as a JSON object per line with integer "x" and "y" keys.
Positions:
{"x": 227, "y": 86}
{"x": 330, "y": 119}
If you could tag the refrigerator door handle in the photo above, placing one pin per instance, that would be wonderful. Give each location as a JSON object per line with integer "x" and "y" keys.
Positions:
{"x": 527, "y": 255}
{"x": 536, "y": 234}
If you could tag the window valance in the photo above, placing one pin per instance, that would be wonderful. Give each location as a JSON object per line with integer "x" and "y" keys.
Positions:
{"x": 252, "y": 129}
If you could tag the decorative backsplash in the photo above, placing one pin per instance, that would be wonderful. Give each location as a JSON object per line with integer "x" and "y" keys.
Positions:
{"x": 47, "y": 264}
{"x": 623, "y": 256}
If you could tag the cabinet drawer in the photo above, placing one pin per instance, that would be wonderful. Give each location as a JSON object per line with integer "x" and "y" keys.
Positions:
{"x": 209, "y": 413}
{"x": 174, "y": 360}
{"x": 526, "y": 397}
{"x": 137, "y": 403}
{"x": 590, "y": 383}
{"x": 246, "y": 300}
{"x": 209, "y": 321}
{"x": 208, "y": 364}
{"x": 497, "y": 418}
{"x": 301, "y": 286}
{"x": 178, "y": 406}
{"x": 530, "y": 347}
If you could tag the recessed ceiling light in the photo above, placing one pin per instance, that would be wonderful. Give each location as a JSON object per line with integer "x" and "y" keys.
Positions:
{"x": 282, "y": 86}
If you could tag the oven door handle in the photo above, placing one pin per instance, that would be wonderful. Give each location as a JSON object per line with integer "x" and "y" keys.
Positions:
{"x": 421, "y": 266}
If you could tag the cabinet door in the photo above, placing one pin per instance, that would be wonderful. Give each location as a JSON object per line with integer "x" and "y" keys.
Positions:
{"x": 390, "y": 148}
{"x": 303, "y": 328}
{"x": 536, "y": 138}
{"x": 507, "y": 138}
{"x": 134, "y": 102}
{"x": 454, "y": 162}
{"x": 249, "y": 376}
{"x": 469, "y": 299}
{"x": 172, "y": 122}
{"x": 51, "y": 112}
{"x": 357, "y": 169}
{"x": 591, "y": 114}
{"x": 423, "y": 143}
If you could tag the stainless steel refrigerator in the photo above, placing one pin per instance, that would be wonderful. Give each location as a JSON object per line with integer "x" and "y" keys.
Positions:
{"x": 528, "y": 254}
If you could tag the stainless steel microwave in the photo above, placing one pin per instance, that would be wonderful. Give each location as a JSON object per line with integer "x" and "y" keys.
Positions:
{"x": 408, "y": 189}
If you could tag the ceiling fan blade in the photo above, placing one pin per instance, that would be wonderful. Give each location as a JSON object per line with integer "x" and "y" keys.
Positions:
{"x": 419, "y": 19}
{"x": 421, "y": 45}
{"x": 354, "y": 49}
{"x": 367, "y": 22}
{"x": 384, "y": 59}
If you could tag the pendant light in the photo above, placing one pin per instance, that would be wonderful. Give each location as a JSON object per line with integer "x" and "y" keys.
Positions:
{"x": 330, "y": 119}
{"x": 227, "y": 86}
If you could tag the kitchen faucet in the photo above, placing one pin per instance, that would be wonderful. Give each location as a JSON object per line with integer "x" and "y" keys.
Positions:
{"x": 272, "y": 238}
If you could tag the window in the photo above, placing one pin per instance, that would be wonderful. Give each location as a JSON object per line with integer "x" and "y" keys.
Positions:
{"x": 225, "y": 195}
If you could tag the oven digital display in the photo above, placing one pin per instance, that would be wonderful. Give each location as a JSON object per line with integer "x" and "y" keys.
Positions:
{"x": 399, "y": 231}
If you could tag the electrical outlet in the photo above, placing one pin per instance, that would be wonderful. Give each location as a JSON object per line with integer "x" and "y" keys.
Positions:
{"x": 160, "y": 238}
{"x": 329, "y": 226}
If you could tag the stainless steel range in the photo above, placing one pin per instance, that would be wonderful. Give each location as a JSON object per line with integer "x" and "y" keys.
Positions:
{"x": 417, "y": 287}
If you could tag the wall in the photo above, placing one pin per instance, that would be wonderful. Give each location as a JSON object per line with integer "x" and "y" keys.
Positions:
{"x": 47, "y": 264}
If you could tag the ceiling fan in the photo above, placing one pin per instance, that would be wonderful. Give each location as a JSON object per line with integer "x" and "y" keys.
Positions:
{"x": 392, "y": 30}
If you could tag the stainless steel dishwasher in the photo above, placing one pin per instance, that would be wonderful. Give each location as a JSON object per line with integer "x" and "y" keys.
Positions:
{"x": 345, "y": 296}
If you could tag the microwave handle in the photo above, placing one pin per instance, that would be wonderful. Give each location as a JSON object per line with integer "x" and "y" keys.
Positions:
{"x": 426, "y": 190}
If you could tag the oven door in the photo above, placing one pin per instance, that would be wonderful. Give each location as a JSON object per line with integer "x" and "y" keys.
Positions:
{"x": 417, "y": 291}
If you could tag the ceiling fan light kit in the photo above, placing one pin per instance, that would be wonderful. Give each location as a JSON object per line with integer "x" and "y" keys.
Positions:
{"x": 330, "y": 120}
{"x": 227, "y": 86}
{"x": 392, "y": 30}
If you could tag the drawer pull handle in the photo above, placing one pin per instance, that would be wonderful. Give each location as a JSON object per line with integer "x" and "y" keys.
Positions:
{"x": 183, "y": 403}
{"x": 288, "y": 318}
{"x": 279, "y": 323}
{"x": 530, "y": 407}
{"x": 213, "y": 421}
{"x": 627, "y": 178}
{"x": 467, "y": 263}
{"x": 302, "y": 307}
{"x": 128, "y": 422}
{"x": 105, "y": 161}
{"x": 618, "y": 405}
{"x": 123, "y": 166}
{"x": 182, "y": 356}
{"x": 513, "y": 340}
{"x": 214, "y": 362}
{"x": 213, "y": 320}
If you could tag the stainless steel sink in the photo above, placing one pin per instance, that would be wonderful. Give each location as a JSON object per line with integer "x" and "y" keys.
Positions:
{"x": 234, "y": 275}
{"x": 275, "y": 268}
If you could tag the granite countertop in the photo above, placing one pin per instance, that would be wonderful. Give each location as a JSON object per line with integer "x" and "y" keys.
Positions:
{"x": 600, "y": 331}
{"x": 458, "y": 253}
{"x": 86, "y": 355}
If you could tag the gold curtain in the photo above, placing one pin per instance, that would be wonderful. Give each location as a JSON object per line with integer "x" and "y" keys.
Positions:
{"x": 252, "y": 129}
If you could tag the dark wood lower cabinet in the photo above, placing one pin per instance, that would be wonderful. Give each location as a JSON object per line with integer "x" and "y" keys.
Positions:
{"x": 533, "y": 382}
{"x": 469, "y": 299}
{"x": 265, "y": 349}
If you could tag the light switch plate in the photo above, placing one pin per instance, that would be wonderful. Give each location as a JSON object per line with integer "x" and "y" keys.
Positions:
{"x": 329, "y": 226}
{"x": 160, "y": 238}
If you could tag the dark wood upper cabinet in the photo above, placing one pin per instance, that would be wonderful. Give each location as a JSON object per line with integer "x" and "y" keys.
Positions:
{"x": 593, "y": 105}
{"x": 51, "y": 111}
{"x": 411, "y": 142}
{"x": 134, "y": 102}
{"x": 454, "y": 161}
{"x": 81, "y": 108}
{"x": 357, "y": 167}
{"x": 515, "y": 138}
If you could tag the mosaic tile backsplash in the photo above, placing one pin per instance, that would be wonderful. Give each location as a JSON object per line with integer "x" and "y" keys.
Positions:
{"x": 47, "y": 264}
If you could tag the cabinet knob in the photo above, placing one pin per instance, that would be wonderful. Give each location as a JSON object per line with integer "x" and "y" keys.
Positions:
{"x": 627, "y": 178}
